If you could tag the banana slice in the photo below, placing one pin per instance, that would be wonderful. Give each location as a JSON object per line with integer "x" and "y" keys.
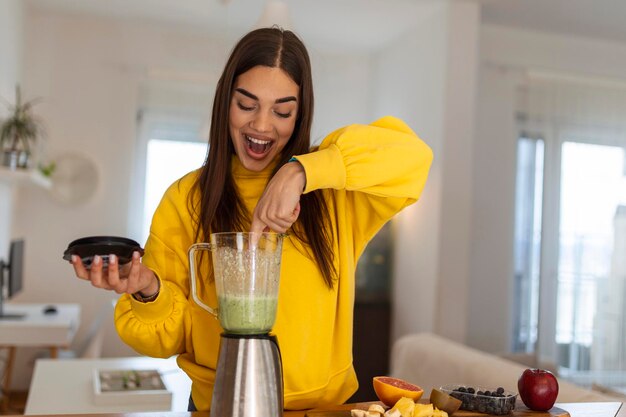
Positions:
{"x": 364, "y": 413}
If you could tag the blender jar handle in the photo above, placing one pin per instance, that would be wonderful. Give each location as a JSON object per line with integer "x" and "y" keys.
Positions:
{"x": 192, "y": 274}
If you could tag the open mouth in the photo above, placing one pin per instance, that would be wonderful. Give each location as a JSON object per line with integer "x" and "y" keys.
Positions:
{"x": 258, "y": 146}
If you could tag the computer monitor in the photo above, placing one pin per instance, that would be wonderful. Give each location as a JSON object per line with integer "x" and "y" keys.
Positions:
{"x": 11, "y": 276}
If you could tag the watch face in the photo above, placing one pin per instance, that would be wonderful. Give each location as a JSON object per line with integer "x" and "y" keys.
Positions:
{"x": 104, "y": 246}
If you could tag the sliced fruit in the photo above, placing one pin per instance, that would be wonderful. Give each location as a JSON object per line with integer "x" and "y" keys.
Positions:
{"x": 389, "y": 390}
{"x": 444, "y": 402}
{"x": 439, "y": 413}
{"x": 394, "y": 413}
{"x": 423, "y": 410}
{"x": 376, "y": 408}
{"x": 363, "y": 413}
{"x": 403, "y": 408}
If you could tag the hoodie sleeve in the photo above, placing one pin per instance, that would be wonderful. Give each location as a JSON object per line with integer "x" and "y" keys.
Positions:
{"x": 378, "y": 169}
{"x": 159, "y": 328}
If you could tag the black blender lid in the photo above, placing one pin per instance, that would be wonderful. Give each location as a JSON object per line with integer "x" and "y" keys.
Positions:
{"x": 87, "y": 247}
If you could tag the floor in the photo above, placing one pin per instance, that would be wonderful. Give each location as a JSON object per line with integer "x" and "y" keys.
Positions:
{"x": 17, "y": 403}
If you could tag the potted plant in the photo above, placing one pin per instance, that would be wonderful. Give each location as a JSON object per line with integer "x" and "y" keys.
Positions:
{"x": 19, "y": 132}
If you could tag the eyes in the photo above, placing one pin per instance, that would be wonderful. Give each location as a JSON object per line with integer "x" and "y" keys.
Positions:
{"x": 245, "y": 108}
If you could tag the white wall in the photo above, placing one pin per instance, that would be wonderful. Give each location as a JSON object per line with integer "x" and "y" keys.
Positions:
{"x": 457, "y": 166}
{"x": 343, "y": 91}
{"x": 429, "y": 78}
{"x": 409, "y": 83}
{"x": 493, "y": 188}
{"x": 506, "y": 55}
{"x": 10, "y": 47}
{"x": 10, "y": 71}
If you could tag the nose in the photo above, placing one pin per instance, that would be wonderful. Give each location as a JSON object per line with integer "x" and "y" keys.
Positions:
{"x": 261, "y": 122}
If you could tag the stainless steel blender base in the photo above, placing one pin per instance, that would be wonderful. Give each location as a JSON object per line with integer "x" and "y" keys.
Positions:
{"x": 249, "y": 378}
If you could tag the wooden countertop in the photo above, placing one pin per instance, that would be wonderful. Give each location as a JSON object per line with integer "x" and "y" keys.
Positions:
{"x": 600, "y": 409}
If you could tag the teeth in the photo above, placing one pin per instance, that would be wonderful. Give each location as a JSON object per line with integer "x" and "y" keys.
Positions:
{"x": 258, "y": 141}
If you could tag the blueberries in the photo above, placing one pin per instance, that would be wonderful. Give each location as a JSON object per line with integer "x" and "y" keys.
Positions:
{"x": 497, "y": 402}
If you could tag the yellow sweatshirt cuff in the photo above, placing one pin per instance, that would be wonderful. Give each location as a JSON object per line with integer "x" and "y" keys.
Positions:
{"x": 324, "y": 169}
{"x": 157, "y": 310}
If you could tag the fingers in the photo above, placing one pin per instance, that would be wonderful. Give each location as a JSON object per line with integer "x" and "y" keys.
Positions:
{"x": 125, "y": 278}
{"x": 296, "y": 211}
{"x": 257, "y": 225}
{"x": 134, "y": 272}
{"x": 97, "y": 273}
{"x": 256, "y": 229}
{"x": 114, "y": 280}
{"x": 113, "y": 276}
{"x": 79, "y": 267}
{"x": 266, "y": 220}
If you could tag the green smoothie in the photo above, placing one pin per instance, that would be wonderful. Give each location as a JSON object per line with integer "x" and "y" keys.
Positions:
{"x": 246, "y": 314}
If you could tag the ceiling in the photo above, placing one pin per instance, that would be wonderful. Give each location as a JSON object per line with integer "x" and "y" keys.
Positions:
{"x": 604, "y": 19}
{"x": 360, "y": 24}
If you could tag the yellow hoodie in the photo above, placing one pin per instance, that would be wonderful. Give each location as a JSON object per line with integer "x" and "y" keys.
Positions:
{"x": 369, "y": 173}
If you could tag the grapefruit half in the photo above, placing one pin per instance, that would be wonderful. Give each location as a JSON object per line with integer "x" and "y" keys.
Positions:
{"x": 389, "y": 390}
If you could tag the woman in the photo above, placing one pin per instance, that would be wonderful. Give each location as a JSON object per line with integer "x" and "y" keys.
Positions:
{"x": 260, "y": 175}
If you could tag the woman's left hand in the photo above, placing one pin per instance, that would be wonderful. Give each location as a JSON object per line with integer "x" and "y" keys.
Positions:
{"x": 279, "y": 206}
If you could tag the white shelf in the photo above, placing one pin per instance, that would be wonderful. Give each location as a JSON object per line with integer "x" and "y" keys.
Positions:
{"x": 24, "y": 177}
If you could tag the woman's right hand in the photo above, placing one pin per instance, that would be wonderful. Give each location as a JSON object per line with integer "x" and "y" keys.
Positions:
{"x": 279, "y": 206}
{"x": 129, "y": 278}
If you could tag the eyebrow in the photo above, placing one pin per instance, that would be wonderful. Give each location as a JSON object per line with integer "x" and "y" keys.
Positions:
{"x": 253, "y": 97}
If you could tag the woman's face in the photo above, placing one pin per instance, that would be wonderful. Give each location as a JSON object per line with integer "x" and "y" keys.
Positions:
{"x": 263, "y": 111}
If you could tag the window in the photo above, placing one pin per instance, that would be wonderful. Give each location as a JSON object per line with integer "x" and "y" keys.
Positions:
{"x": 570, "y": 230}
{"x": 592, "y": 188}
{"x": 169, "y": 146}
{"x": 166, "y": 161}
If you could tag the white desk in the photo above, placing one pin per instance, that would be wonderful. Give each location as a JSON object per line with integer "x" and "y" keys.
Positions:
{"x": 36, "y": 329}
{"x": 65, "y": 386}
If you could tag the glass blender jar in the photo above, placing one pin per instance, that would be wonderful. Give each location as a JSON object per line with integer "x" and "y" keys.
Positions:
{"x": 246, "y": 269}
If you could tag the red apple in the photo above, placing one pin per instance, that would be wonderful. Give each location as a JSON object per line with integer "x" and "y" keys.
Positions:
{"x": 538, "y": 389}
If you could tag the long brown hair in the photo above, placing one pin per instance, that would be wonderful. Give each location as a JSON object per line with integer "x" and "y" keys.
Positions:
{"x": 221, "y": 208}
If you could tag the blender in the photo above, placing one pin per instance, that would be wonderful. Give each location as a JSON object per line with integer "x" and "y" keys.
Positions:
{"x": 246, "y": 268}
